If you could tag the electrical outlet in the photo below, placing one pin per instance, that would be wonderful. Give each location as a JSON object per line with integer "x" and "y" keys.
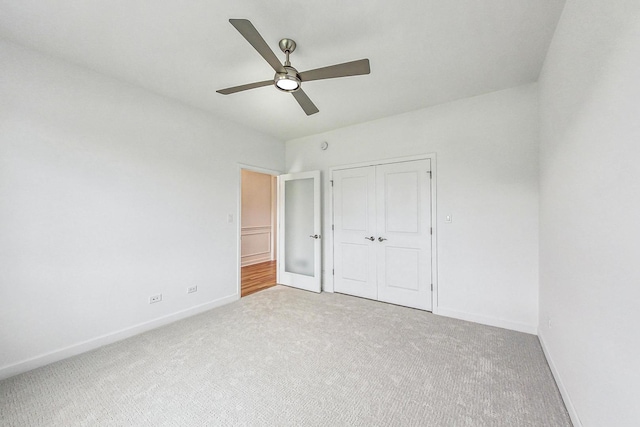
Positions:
{"x": 155, "y": 298}
{"x": 192, "y": 289}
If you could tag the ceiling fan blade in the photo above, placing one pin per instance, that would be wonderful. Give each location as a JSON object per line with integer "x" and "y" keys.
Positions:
{"x": 230, "y": 90}
{"x": 249, "y": 32}
{"x": 307, "y": 105}
{"x": 353, "y": 68}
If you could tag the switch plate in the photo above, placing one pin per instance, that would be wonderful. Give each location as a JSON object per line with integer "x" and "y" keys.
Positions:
{"x": 192, "y": 289}
{"x": 230, "y": 218}
{"x": 155, "y": 298}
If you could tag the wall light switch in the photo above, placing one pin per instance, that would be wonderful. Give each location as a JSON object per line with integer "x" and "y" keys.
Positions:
{"x": 447, "y": 218}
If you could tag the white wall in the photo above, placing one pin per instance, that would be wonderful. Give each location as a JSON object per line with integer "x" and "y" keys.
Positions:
{"x": 590, "y": 210}
{"x": 487, "y": 178}
{"x": 109, "y": 194}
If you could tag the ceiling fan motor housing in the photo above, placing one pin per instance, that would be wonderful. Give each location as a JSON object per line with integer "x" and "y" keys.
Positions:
{"x": 288, "y": 80}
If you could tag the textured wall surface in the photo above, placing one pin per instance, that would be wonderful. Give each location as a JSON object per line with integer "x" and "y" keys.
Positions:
{"x": 487, "y": 179}
{"x": 589, "y": 210}
{"x": 108, "y": 195}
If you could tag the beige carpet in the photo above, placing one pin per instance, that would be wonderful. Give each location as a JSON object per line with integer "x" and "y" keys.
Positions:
{"x": 293, "y": 358}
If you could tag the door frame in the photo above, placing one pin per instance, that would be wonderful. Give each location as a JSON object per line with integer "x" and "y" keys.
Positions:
{"x": 328, "y": 284}
{"x": 252, "y": 168}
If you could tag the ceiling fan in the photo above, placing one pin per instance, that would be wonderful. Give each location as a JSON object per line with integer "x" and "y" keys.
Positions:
{"x": 287, "y": 78}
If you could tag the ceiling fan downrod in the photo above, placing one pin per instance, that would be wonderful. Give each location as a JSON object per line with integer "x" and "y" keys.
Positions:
{"x": 287, "y": 46}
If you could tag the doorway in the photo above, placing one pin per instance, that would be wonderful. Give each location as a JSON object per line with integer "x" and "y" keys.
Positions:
{"x": 279, "y": 230}
{"x": 258, "y": 231}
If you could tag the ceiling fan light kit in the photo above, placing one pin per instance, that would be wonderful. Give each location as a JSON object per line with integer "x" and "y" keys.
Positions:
{"x": 287, "y": 81}
{"x": 287, "y": 78}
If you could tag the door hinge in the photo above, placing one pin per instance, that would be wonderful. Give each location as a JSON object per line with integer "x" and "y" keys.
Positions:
{"x": 331, "y": 183}
{"x": 432, "y": 287}
{"x": 332, "y": 227}
{"x": 333, "y": 272}
{"x": 431, "y": 230}
{"x": 430, "y": 175}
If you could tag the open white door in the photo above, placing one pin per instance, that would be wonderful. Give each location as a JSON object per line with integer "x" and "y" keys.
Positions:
{"x": 299, "y": 231}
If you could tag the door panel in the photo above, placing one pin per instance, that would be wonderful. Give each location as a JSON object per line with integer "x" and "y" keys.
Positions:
{"x": 354, "y": 199}
{"x": 299, "y": 233}
{"x": 401, "y": 208}
{"x": 404, "y": 225}
{"x": 402, "y": 268}
{"x": 355, "y": 262}
{"x": 354, "y": 221}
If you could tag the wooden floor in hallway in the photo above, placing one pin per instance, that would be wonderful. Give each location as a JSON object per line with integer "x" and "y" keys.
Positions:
{"x": 257, "y": 277}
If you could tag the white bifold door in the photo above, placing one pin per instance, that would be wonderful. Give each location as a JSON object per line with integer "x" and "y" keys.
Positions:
{"x": 382, "y": 232}
{"x": 299, "y": 231}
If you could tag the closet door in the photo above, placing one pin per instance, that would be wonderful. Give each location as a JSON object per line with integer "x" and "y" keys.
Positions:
{"x": 403, "y": 193}
{"x": 355, "y": 241}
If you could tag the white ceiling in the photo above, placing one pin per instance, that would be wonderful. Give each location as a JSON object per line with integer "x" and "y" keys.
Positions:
{"x": 422, "y": 52}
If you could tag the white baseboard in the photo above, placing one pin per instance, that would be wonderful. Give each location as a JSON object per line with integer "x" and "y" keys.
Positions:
{"x": 490, "y": 321}
{"x": 93, "y": 343}
{"x": 563, "y": 390}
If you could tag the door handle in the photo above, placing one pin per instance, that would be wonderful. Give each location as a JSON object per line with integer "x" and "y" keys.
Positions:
{"x": 370, "y": 238}
{"x": 381, "y": 239}
{"x": 315, "y": 236}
